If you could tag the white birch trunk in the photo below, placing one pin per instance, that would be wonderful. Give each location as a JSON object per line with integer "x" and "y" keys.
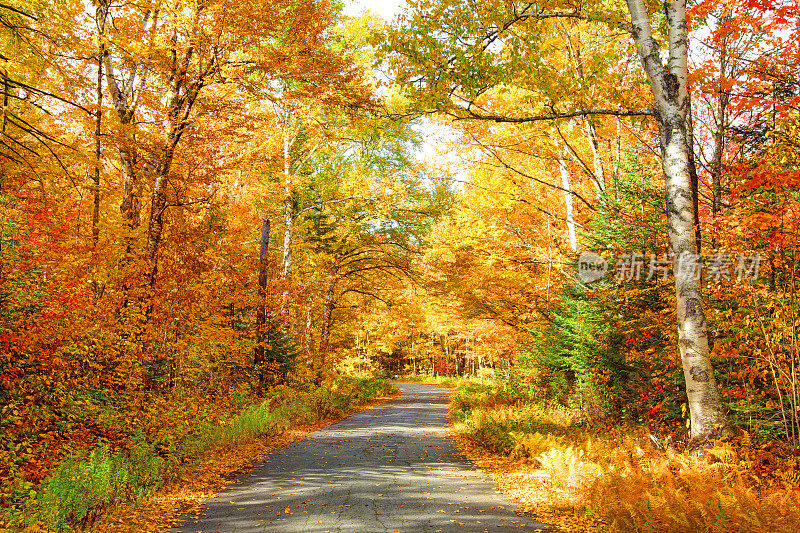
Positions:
{"x": 288, "y": 235}
{"x": 288, "y": 210}
{"x": 599, "y": 173}
{"x": 562, "y": 165}
{"x": 669, "y": 87}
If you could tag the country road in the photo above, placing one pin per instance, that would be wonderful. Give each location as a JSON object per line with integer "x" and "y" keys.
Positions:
{"x": 389, "y": 468}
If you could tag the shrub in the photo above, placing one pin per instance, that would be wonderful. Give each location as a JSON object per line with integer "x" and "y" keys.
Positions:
{"x": 80, "y": 490}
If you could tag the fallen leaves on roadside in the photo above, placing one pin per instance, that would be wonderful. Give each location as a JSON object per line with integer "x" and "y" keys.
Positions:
{"x": 532, "y": 489}
{"x": 203, "y": 479}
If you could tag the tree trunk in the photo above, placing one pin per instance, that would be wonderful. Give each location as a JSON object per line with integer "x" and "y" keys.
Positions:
{"x": 155, "y": 227}
{"x": 288, "y": 234}
{"x": 589, "y": 129}
{"x": 619, "y": 157}
{"x": 101, "y": 51}
{"x": 716, "y": 161}
{"x": 131, "y": 206}
{"x": 126, "y": 100}
{"x": 328, "y": 303}
{"x": 259, "y": 352}
{"x": 6, "y": 89}
{"x": 433, "y": 351}
{"x": 289, "y": 216}
{"x": 719, "y": 135}
{"x": 669, "y": 86}
{"x": 562, "y": 165}
{"x": 599, "y": 172}
{"x": 413, "y": 353}
{"x": 309, "y": 336}
{"x": 693, "y": 177}
{"x": 125, "y": 97}
{"x": 183, "y": 93}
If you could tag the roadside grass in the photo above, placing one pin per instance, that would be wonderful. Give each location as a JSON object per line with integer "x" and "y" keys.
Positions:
{"x": 601, "y": 478}
{"x": 90, "y": 489}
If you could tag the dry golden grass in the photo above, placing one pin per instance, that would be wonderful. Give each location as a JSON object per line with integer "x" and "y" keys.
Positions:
{"x": 542, "y": 493}
{"x": 734, "y": 487}
{"x": 607, "y": 480}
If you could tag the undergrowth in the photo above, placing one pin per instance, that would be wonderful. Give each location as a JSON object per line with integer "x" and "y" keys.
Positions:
{"x": 445, "y": 381}
{"x": 624, "y": 479}
{"x": 87, "y": 483}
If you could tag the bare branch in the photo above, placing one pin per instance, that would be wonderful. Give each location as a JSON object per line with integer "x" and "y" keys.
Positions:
{"x": 17, "y": 11}
{"x": 331, "y": 201}
{"x": 474, "y": 115}
{"x": 29, "y": 88}
{"x": 508, "y": 166}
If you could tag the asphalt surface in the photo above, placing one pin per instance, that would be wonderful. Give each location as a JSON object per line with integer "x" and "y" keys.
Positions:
{"x": 389, "y": 468}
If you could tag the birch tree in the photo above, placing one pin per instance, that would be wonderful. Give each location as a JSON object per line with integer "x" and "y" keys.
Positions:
{"x": 450, "y": 57}
{"x": 562, "y": 168}
{"x": 668, "y": 81}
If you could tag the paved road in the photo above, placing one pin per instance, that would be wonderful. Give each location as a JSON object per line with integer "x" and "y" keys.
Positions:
{"x": 389, "y": 468}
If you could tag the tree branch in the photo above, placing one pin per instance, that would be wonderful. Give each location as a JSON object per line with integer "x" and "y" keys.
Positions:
{"x": 473, "y": 115}
{"x": 17, "y": 11}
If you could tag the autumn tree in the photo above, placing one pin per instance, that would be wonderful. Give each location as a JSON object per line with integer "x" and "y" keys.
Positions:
{"x": 358, "y": 216}
{"x": 741, "y": 84}
{"x": 745, "y": 82}
{"x": 456, "y": 58}
{"x": 185, "y": 48}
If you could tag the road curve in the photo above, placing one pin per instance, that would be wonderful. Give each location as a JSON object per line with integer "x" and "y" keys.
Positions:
{"x": 389, "y": 468}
